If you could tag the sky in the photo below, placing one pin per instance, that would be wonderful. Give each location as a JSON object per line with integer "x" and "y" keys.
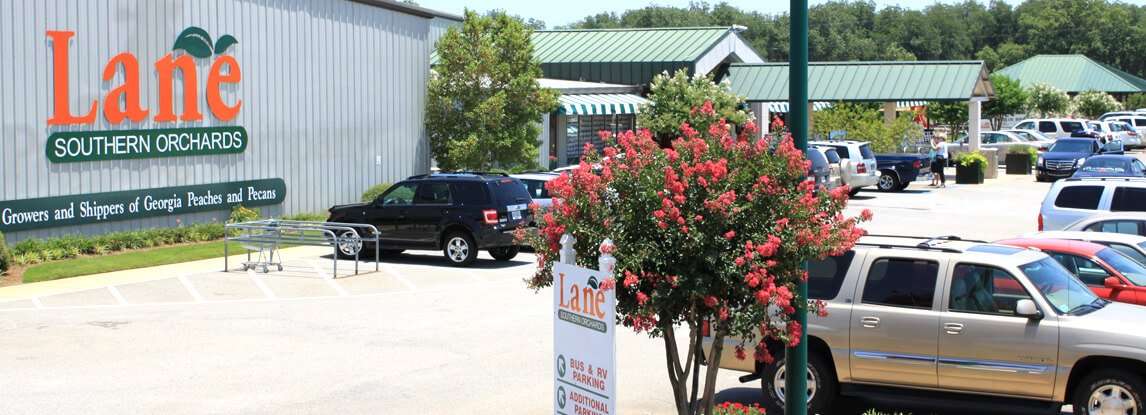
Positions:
{"x": 562, "y": 12}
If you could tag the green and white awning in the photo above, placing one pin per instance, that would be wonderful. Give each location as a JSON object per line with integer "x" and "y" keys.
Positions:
{"x": 600, "y": 104}
{"x": 783, "y": 106}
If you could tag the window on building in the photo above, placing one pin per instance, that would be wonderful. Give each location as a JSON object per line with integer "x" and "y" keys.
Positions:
{"x": 584, "y": 129}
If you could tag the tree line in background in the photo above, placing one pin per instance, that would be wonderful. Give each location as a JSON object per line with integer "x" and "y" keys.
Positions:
{"x": 998, "y": 33}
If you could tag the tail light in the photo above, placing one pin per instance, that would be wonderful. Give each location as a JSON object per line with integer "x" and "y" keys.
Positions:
{"x": 917, "y": 164}
{"x": 1040, "y": 222}
{"x": 861, "y": 168}
{"x": 490, "y": 216}
{"x": 705, "y": 329}
{"x": 1132, "y": 133}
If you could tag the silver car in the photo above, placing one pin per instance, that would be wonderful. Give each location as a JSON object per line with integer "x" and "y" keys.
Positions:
{"x": 1071, "y": 200}
{"x": 535, "y": 185}
{"x": 1034, "y": 137}
{"x": 1002, "y": 141}
{"x": 983, "y": 326}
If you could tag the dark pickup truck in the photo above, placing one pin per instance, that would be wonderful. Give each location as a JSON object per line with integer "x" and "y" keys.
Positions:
{"x": 897, "y": 171}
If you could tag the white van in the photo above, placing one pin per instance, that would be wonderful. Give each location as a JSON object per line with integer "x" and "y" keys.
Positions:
{"x": 1071, "y": 200}
{"x": 1052, "y": 127}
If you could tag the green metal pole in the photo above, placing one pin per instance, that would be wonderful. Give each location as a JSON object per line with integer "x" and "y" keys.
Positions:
{"x": 796, "y": 372}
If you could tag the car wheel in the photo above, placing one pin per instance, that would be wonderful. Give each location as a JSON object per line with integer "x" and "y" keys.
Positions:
{"x": 903, "y": 186}
{"x": 887, "y": 182}
{"x": 1109, "y": 392}
{"x": 504, "y": 253}
{"x": 349, "y": 244}
{"x": 460, "y": 249}
{"x": 854, "y": 191}
{"x": 822, "y": 386}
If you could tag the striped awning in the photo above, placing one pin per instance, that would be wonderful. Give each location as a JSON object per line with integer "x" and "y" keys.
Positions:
{"x": 783, "y": 106}
{"x": 906, "y": 105}
{"x": 600, "y": 104}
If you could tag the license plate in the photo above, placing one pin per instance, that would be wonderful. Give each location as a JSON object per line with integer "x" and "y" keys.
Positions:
{"x": 515, "y": 215}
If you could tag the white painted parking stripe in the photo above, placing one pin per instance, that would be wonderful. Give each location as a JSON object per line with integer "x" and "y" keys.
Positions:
{"x": 36, "y": 302}
{"x": 117, "y": 295}
{"x": 397, "y": 275}
{"x": 190, "y": 289}
{"x": 262, "y": 286}
{"x": 326, "y": 277}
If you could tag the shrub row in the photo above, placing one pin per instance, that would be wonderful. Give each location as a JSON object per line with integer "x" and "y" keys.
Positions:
{"x": 5, "y": 255}
{"x": 34, "y": 251}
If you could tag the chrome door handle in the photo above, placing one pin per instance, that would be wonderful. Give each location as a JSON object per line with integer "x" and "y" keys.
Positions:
{"x": 870, "y": 322}
{"x": 953, "y": 328}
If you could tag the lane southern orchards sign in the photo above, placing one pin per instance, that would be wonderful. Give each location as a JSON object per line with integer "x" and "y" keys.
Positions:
{"x": 584, "y": 338}
{"x": 83, "y": 209}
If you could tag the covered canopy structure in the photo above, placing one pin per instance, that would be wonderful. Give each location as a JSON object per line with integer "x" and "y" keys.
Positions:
{"x": 1074, "y": 74}
{"x": 892, "y": 83}
{"x": 635, "y": 56}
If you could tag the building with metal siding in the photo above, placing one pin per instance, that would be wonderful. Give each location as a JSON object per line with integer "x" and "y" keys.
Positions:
{"x": 332, "y": 98}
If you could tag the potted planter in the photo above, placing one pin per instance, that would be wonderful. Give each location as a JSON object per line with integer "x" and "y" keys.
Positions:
{"x": 970, "y": 168}
{"x": 1019, "y": 161}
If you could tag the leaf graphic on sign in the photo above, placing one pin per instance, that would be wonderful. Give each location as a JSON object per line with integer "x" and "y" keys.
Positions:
{"x": 224, "y": 42}
{"x": 195, "y": 41}
{"x": 592, "y": 282}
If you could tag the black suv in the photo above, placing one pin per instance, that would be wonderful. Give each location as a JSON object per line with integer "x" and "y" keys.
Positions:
{"x": 459, "y": 213}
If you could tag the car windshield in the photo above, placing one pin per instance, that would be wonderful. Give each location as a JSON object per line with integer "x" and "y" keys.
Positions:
{"x": 865, "y": 150}
{"x": 1118, "y": 126}
{"x": 817, "y": 158}
{"x": 1061, "y": 289}
{"x": 1104, "y": 165}
{"x": 1071, "y": 146}
{"x": 833, "y": 156}
{"x": 1071, "y": 126}
{"x": 536, "y": 188}
{"x": 1129, "y": 268}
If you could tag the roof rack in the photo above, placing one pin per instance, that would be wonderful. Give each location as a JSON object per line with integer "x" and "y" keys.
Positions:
{"x": 929, "y": 238}
{"x": 449, "y": 173}
{"x": 922, "y": 246}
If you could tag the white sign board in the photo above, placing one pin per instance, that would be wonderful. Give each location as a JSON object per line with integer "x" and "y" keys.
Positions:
{"x": 584, "y": 339}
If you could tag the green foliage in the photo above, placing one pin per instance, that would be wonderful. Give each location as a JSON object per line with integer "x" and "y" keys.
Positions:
{"x": 971, "y": 159}
{"x": 308, "y": 216}
{"x": 374, "y": 191}
{"x": 865, "y": 122}
{"x": 1028, "y": 150}
{"x": 672, "y": 101}
{"x": 33, "y": 251}
{"x": 1111, "y": 32}
{"x": 128, "y": 260}
{"x": 483, "y": 98}
{"x": 241, "y": 213}
{"x": 1010, "y": 98}
{"x": 1091, "y": 104}
{"x": 1047, "y": 101}
{"x": 5, "y": 255}
{"x": 951, "y": 114}
{"x": 1136, "y": 101}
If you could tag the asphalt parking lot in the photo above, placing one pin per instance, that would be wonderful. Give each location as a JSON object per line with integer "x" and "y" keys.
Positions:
{"x": 415, "y": 337}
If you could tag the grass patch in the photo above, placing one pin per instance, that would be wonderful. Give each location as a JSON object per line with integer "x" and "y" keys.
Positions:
{"x": 128, "y": 260}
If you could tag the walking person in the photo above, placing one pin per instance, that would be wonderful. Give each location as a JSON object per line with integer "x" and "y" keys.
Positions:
{"x": 937, "y": 166}
{"x": 931, "y": 164}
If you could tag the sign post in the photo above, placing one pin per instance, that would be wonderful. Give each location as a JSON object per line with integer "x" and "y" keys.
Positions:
{"x": 584, "y": 335}
{"x": 796, "y": 372}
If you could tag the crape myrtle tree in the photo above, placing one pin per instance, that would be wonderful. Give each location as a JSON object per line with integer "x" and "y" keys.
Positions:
{"x": 1047, "y": 101}
{"x": 484, "y": 103}
{"x": 673, "y": 98}
{"x": 1091, "y": 104}
{"x": 712, "y": 230}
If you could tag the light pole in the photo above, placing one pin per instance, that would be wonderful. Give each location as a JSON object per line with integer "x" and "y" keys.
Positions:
{"x": 796, "y": 368}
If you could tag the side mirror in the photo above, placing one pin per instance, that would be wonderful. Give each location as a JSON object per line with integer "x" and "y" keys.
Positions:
{"x": 1027, "y": 308}
{"x": 1113, "y": 283}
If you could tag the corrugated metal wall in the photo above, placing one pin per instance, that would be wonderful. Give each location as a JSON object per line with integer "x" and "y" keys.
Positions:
{"x": 333, "y": 95}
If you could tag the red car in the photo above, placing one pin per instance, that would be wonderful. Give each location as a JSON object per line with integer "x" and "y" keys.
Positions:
{"x": 1107, "y": 272}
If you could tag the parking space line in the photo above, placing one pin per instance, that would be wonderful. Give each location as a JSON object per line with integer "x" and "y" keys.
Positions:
{"x": 190, "y": 288}
{"x": 36, "y": 302}
{"x": 262, "y": 286}
{"x": 117, "y": 295}
{"x": 327, "y": 277}
{"x": 397, "y": 275}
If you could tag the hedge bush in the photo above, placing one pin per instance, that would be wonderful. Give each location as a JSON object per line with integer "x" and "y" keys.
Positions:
{"x": 311, "y": 217}
{"x": 5, "y": 255}
{"x": 34, "y": 251}
{"x": 374, "y": 191}
{"x": 241, "y": 213}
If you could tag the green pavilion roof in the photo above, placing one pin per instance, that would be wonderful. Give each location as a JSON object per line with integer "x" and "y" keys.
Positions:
{"x": 1073, "y": 73}
{"x": 867, "y": 81}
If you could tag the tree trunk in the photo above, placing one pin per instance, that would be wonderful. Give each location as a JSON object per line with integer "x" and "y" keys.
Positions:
{"x": 677, "y": 377}
{"x": 713, "y": 366}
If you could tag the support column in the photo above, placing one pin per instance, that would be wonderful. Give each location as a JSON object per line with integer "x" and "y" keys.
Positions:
{"x": 888, "y": 113}
{"x": 796, "y": 357}
{"x": 763, "y": 117}
{"x": 973, "y": 119}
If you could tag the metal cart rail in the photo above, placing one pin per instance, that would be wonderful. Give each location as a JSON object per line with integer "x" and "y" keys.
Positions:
{"x": 268, "y": 235}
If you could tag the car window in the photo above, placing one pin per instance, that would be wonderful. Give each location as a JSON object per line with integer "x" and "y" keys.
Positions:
{"x": 1129, "y": 268}
{"x": 984, "y": 290}
{"x": 470, "y": 193}
{"x": 1074, "y": 146}
{"x": 817, "y": 158}
{"x": 832, "y": 155}
{"x": 432, "y": 194}
{"x": 1140, "y": 122}
{"x": 509, "y": 192}
{"x": 1127, "y": 250}
{"x": 1025, "y": 126}
{"x": 1071, "y": 126}
{"x": 402, "y": 194}
{"x": 1095, "y": 126}
{"x": 536, "y": 188}
{"x": 1079, "y": 197}
{"x": 1058, "y": 285}
{"x": 865, "y": 151}
{"x": 1088, "y": 271}
{"x": 900, "y": 282}
{"x": 1128, "y": 199}
{"x": 1047, "y": 127}
{"x": 1129, "y": 227}
{"x": 825, "y": 276}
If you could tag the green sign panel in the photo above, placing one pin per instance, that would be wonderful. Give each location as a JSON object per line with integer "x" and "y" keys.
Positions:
{"x": 72, "y": 146}
{"x": 82, "y": 209}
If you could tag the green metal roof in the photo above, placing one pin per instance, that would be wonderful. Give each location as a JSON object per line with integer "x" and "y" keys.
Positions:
{"x": 1073, "y": 73}
{"x": 867, "y": 81}
{"x": 623, "y": 56}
